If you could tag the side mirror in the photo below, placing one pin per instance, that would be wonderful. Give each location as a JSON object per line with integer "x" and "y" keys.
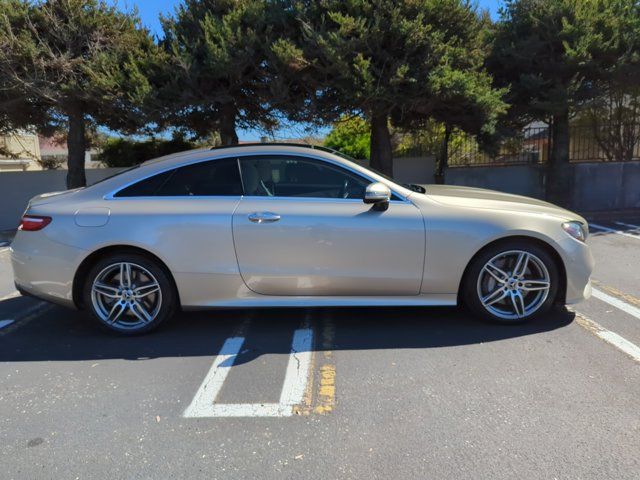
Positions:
{"x": 378, "y": 194}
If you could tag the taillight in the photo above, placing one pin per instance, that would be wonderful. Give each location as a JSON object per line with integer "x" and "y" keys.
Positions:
{"x": 31, "y": 223}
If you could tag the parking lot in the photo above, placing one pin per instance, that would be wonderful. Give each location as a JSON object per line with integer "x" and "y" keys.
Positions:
{"x": 330, "y": 393}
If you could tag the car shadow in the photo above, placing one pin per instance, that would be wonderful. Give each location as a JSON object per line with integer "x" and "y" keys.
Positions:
{"x": 66, "y": 335}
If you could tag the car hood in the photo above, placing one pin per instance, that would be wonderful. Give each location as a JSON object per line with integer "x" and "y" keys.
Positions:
{"x": 490, "y": 199}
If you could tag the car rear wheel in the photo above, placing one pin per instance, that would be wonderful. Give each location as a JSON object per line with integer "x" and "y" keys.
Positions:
{"x": 129, "y": 294}
{"x": 511, "y": 282}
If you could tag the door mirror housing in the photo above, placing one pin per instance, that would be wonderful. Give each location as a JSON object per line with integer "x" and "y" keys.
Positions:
{"x": 378, "y": 194}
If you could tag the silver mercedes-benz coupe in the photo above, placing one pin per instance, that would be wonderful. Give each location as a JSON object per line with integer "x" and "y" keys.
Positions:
{"x": 270, "y": 225}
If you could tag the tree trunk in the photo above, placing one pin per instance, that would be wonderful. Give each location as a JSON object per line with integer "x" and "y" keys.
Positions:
{"x": 443, "y": 156}
{"x": 76, "y": 148}
{"x": 558, "y": 174}
{"x": 381, "y": 154}
{"x": 228, "y": 135}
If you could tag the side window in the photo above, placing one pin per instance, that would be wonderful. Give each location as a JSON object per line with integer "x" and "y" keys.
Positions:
{"x": 212, "y": 178}
{"x": 290, "y": 176}
{"x": 145, "y": 188}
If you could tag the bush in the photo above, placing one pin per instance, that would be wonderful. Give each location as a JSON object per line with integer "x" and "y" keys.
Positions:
{"x": 119, "y": 152}
{"x": 351, "y": 136}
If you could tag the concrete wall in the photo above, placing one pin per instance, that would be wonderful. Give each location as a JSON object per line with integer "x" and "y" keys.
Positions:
{"x": 606, "y": 186}
{"x": 596, "y": 186}
{"x": 521, "y": 179}
{"x": 414, "y": 169}
{"x": 16, "y": 188}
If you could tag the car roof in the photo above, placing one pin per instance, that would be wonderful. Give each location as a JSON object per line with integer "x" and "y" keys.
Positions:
{"x": 245, "y": 148}
{"x": 160, "y": 164}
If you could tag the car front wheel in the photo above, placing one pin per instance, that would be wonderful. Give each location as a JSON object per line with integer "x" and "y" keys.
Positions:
{"x": 129, "y": 294}
{"x": 511, "y": 282}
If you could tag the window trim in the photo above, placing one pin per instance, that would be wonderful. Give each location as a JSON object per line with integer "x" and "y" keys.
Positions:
{"x": 338, "y": 166}
{"x": 111, "y": 195}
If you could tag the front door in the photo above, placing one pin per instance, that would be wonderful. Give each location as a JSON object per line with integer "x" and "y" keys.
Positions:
{"x": 303, "y": 229}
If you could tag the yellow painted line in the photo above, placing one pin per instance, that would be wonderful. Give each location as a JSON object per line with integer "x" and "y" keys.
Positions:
{"x": 326, "y": 395}
{"x": 608, "y": 336}
{"x": 635, "y": 301}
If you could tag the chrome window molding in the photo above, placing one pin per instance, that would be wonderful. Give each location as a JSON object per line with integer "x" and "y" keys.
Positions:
{"x": 112, "y": 195}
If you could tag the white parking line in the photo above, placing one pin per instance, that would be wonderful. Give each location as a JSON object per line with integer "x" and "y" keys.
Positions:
{"x": 5, "y": 323}
{"x": 293, "y": 389}
{"x": 203, "y": 400}
{"x": 610, "y": 337}
{"x": 616, "y": 302}
{"x": 295, "y": 381}
{"x": 628, "y": 225}
{"x": 613, "y": 230}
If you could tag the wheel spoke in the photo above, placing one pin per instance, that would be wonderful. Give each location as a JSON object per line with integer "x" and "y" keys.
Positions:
{"x": 126, "y": 295}
{"x": 498, "y": 274}
{"x": 125, "y": 275}
{"x": 521, "y": 265}
{"x": 139, "y": 311}
{"x": 534, "y": 285}
{"x": 518, "y": 303}
{"x": 106, "y": 290}
{"x": 145, "y": 290}
{"x": 118, "y": 308}
{"x": 495, "y": 296}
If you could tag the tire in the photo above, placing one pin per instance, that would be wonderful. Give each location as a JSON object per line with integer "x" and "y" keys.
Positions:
{"x": 495, "y": 291}
{"x": 129, "y": 294}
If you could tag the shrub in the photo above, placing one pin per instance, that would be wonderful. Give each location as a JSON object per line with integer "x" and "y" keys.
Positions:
{"x": 120, "y": 152}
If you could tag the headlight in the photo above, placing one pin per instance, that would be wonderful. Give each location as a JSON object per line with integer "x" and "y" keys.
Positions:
{"x": 576, "y": 229}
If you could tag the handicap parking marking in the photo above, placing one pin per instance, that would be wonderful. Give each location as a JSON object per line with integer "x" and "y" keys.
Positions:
{"x": 613, "y": 230}
{"x": 294, "y": 387}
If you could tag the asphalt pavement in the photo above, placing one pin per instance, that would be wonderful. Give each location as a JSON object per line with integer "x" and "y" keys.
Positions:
{"x": 330, "y": 393}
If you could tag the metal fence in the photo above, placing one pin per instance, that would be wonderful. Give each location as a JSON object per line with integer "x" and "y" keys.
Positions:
{"x": 604, "y": 143}
{"x": 530, "y": 147}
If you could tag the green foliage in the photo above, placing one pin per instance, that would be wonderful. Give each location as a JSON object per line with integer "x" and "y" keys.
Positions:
{"x": 554, "y": 55}
{"x": 120, "y": 152}
{"x": 73, "y": 64}
{"x": 405, "y": 60}
{"x": 427, "y": 141}
{"x": 216, "y": 74}
{"x": 351, "y": 136}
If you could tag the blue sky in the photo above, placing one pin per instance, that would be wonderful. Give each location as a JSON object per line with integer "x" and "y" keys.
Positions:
{"x": 150, "y": 11}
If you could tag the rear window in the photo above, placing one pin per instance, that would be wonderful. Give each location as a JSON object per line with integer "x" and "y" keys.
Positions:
{"x": 211, "y": 178}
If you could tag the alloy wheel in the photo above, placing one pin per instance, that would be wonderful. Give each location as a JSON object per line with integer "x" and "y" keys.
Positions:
{"x": 513, "y": 285}
{"x": 126, "y": 295}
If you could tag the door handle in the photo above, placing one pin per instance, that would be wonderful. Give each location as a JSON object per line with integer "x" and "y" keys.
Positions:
{"x": 263, "y": 217}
